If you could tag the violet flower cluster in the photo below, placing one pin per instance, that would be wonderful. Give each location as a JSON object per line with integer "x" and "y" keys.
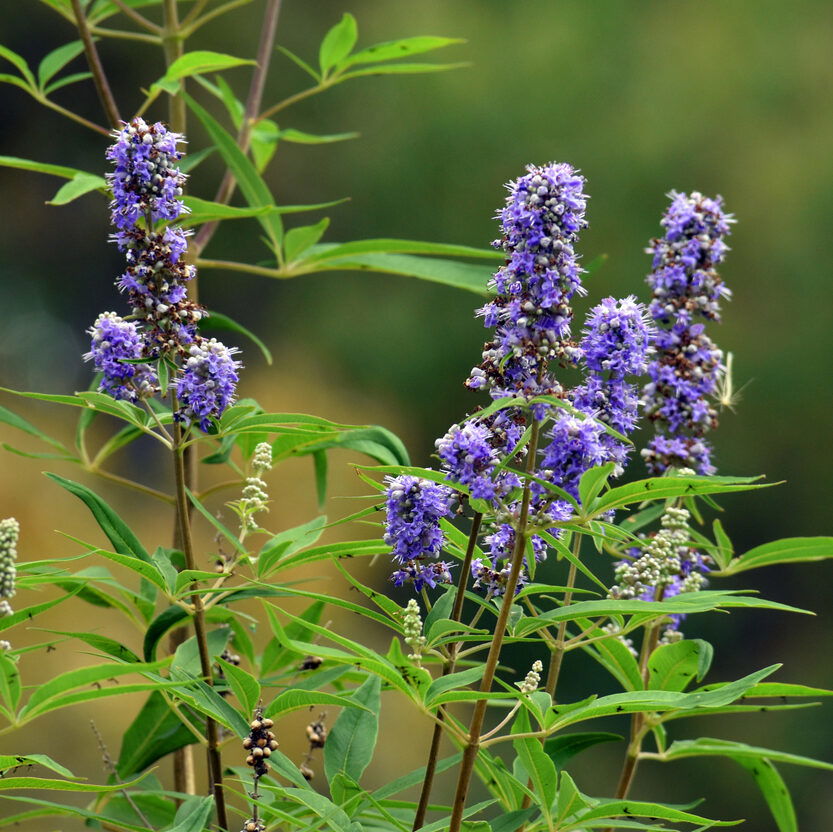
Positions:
{"x": 687, "y": 370}
{"x": 414, "y": 507}
{"x": 531, "y": 311}
{"x": 532, "y": 316}
{"x": 147, "y": 195}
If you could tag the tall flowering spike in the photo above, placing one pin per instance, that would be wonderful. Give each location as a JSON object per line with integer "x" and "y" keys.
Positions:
{"x": 531, "y": 312}
{"x": 113, "y": 341}
{"x": 686, "y": 372}
{"x": 9, "y": 534}
{"x": 207, "y": 384}
{"x": 617, "y": 343}
{"x": 414, "y": 507}
{"x": 146, "y": 180}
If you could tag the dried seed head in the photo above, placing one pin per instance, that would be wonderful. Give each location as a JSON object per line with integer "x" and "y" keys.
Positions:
{"x": 311, "y": 663}
{"x": 306, "y": 771}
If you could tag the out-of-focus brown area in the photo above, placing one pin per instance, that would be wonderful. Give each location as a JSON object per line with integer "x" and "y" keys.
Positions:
{"x": 646, "y": 97}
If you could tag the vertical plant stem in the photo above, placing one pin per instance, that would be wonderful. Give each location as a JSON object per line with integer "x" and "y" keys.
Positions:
{"x": 557, "y": 655}
{"x": 174, "y": 47}
{"x": 253, "y": 102}
{"x": 478, "y": 716}
{"x": 102, "y": 85}
{"x": 448, "y": 668}
{"x": 215, "y": 765}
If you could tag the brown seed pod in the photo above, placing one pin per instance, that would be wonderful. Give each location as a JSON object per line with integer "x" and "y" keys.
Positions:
{"x": 306, "y": 771}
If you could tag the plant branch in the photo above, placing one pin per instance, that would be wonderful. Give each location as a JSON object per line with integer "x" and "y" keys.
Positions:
{"x": 253, "y": 101}
{"x": 136, "y": 486}
{"x": 557, "y": 655}
{"x": 102, "y": 85}
{"x": 137, "y": 18}
{"x": 215, "y": 764}
{"x": 476, "y": 725}
{"x": 173, "y": 43}
{"x": 448, "y": 668}
{"x": 123, "y": 35}
{"x": 220, "y": 10}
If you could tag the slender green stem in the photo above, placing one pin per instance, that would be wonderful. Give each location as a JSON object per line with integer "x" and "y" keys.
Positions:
{"x": 136, "y": 486}
{"x": 478, "y": 716}
{"x": 226, "y": 7}
{"x": 448, "y": 668}
{"x": 264, "y": 56}
{"x": 294, "y": 99}
{"x": 101, "y": 31}
{"x": 196, "y": 11}
{"x": 47, "y": 102}
{"x": 137, "y": 18}
{"x": 215, "y": 765}
{"x": 102, "y": 85}
{"x": 173, "y": 42}
{"x": 557, "y": 655}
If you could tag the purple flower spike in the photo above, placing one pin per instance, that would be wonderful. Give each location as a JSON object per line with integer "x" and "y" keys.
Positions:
{"x": 207, "y": 384}
{"x": 113, "y": 341}
{"x": 146, "y": 180}
{"x": 531, "y": 312}
{"x": 414, "y": 507}
{"x": 687, "y": 369}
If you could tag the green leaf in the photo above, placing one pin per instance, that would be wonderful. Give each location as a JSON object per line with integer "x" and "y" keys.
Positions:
{"x": 466, "y": 276}
{"x": 224, "y": 531}
{"x": 205, "y": 699}
{"x": 387, "y": 245}
{"x": 117, "y": 531}
{"x": 674, "y": 666}
{"x": 570, "y": 799}
{"x": 154, "y": 733}
{"x": 39, "y": 167}
{"x": 614, "y": 656}
{"x": 299, "y": 137}
{"x": 401, "y": 69}
{"x": 636, "y": 808}
{"x": 298, "y": 240}
{"x": 660, "y": 488}
{"x": 74, "y": 78}
{"x": 539, "y": 767}
{"x": 10, "y": 686}
{"x": 199, "y": 62}
{"x": 319, "y": 461}
{"x": 187, "y": 655}
{"x": 351, "y": 741}
{"x": 20, "y": 63}
{"x": 299, "y": 62}
{"x": 288, "y": 542}
{"x": 13, "y": 761}
{"x": 404, "y": 48}
{"x": 375, "y": 441}
{"x": 193, "y": 815}
{"x": 56, "y": 60}
{"x": 725, "y": 550}
{"x": 218, "y": 321}
{"x": 788, "y": 550}
{"x": 563, "y": 748}
{"x": 254, "y": 189}
{"x": 593, "y": 481}
{"x": 708, "y": 747}
{"x": 245, "y": 687}
{"x": 59, "y": 785}
{"x": 203, "y": 210}
{"x": 461, "y": 679}
{"x": 15, "y": 421}
{"x": 298, "y": 700}
{"x": 27, "y": 613}
{"x": 337, "y": 43}
{"x": 107, "y": 645}
{"x": 775, "y": 792}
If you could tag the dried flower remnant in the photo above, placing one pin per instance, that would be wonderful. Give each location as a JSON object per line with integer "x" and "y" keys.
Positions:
{"x": 316, "y": 733}
{"x": 260, "y": 744}
{"x": 688, "y": 368}
{"x": 253, "y": 825}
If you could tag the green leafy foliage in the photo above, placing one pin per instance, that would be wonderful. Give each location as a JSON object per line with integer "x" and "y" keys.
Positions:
{"x": 351, "y": 742}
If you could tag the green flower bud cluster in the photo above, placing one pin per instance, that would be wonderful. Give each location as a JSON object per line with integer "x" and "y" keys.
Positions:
{"x": 413, "y": 630}
{"x": 533, "y": 678}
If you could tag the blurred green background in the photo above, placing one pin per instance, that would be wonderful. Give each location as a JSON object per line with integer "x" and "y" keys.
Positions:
{"x": 730, "y": 98}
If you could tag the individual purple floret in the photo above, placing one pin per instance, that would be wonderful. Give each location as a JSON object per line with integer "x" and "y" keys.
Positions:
{"x": 688, "y": 366}
{"x": 414, "y": 507}
{"x": 531, "y": 312}
{"x": 207, "y": 384}
{"x": 113, "y": 341}
{"x": 146, "y": 180}
{"x": 469, "y": 458}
